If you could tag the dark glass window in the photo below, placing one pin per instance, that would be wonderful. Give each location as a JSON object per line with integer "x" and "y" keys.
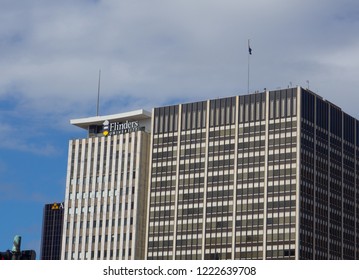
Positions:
{"x": 322, "y": 114}
{"x": 335, "y": 121}
{"x": 349, "y": 128}
{"x": 307, "y": 109}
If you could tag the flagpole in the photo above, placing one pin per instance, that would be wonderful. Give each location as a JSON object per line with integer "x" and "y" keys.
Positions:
{"x": 248, "y": 69}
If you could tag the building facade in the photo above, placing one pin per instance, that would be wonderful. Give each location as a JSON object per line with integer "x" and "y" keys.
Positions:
{"x": 271, "y": 175}
{"x": 52, "y": 222}
{"x": 106, "y": 188}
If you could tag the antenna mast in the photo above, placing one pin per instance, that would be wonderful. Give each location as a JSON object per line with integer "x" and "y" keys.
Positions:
{"x": 98, "y": 92}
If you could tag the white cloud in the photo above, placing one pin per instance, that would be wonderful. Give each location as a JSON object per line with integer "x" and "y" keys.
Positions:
{"x": 152, "y": 52}
{"x": 19, "y": 137}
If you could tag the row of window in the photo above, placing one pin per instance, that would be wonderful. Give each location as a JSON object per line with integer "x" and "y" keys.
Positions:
{"x": 100, "y": 209}
{"x": 100, "y": 254}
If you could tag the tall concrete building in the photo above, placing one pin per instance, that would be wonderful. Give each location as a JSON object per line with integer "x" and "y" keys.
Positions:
{"x": 106, "y": 188}
{"x": 271, "y": 175}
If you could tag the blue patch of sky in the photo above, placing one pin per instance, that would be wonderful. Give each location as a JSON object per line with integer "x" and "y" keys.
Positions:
{"x": 8, "y": 102}
{"x": 30, "y": 178}
{"x": 13, "y": 39}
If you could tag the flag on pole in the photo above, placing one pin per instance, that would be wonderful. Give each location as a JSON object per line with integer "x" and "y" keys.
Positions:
{"x": 249, "y": 48}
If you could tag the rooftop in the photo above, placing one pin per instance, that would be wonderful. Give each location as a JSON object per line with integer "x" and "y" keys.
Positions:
{"x": 98, "y": 120}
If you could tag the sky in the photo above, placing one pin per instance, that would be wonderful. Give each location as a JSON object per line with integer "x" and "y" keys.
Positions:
{"x": 151, "y": 53}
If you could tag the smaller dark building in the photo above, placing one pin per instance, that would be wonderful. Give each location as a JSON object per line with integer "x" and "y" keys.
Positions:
{"x": 52, "y": 231}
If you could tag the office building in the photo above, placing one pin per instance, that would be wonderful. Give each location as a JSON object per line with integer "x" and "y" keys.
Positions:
{"x": 52, "y": 221}
{"x": 106, "y": 188}
{"x": 271, "y": 175}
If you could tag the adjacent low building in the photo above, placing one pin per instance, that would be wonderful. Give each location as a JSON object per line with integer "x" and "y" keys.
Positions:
{"x": 52, "y": 222}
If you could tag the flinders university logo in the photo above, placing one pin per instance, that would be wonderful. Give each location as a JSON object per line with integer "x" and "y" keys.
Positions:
{"x": 106, "y": 128}
{"x": 114, "y": 128}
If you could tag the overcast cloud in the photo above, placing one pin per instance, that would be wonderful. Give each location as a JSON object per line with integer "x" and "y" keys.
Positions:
{"x": 159, "y": 52}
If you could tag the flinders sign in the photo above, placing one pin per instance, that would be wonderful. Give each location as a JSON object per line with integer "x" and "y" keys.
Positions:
{"x": 114, "y": 128}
